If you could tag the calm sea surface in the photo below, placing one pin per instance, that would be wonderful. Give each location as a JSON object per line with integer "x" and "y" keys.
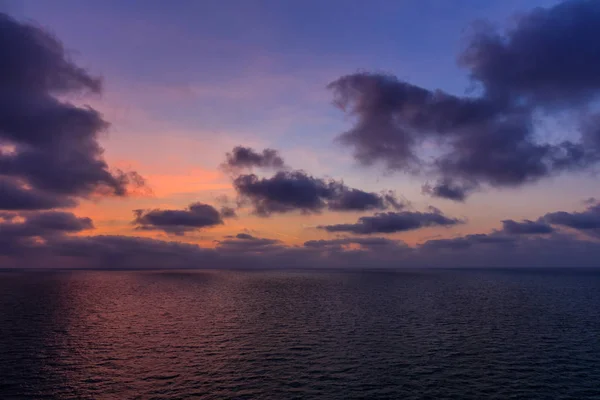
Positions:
{"x": 432, "y": 334}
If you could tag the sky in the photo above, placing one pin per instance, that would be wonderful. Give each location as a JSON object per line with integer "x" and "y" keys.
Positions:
{"x": 301, "y": 133}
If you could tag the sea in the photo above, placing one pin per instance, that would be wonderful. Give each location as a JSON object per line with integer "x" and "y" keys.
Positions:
{"x": 301, "y": 334}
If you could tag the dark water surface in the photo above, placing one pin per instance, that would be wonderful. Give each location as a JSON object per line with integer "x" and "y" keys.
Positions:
{"x": 433, "y": 334}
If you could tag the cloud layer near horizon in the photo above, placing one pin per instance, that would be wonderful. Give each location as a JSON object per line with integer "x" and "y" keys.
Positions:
{"x": 50, "y": 239}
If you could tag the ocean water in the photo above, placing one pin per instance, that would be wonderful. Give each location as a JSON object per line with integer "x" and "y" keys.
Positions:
{"x": 428, "y": 334}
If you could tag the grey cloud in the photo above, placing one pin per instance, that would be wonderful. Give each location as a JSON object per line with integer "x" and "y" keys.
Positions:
{"x": 54, "y": 144}
{"x": 449, "y": 189}
{"x": 245, "y": 157}
{"x": 178, "y": 222}
{"x": 585, "y": 221}
{"x": 60, "y": 249}
{"x": 228, "y": 212}
{"x": 547, "y": 61}
{"x": 547, "y": 57}
{"x": 289, "y": 191}
{"x": 244, "y": 242}
{"x": 18, "y": 231}
{"x": 468, "y": 241}
{"x": 372, "y": 243}
{"x": 391, "y": 222}
{"x": 526, "y": 227}
{"x": 45, "y": 223}
{"x": 484, "y": 250}
{"x": 14, "y": 196}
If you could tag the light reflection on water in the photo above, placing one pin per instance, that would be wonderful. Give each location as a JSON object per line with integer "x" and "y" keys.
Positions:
{"x": 284, "y": 335}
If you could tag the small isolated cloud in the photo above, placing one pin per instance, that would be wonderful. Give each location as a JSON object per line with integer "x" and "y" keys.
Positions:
{"x": 246, "y": 243}
{"x": 289, "y": 191}
{"x": 390, "y": 222}
{"x": 177, "y": 222}
{"x": 447, "y": 188}
{"x": 228, "y": 212}
{"x": 247, "y": 158}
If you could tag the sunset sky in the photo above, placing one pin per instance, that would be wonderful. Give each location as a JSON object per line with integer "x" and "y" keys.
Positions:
{"x": 512, "y": 137}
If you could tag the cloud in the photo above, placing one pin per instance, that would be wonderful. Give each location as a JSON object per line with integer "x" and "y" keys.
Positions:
{"x": 369, "y": 243}
{"x": 488, "y": 251}
{"x": 247, "y": 158}
{"x": 49, "y": 240}
{"x": 178, "y": 222}
{"x": 109, "y": 252}
{"x": 448, "y": 189}
{"x": 588, "y": 220}
{"x": 468, "y": 241}
{"x": 46, "y": 222}
{"x": 245, "y": 243}
{"x": 228, "y": 212}
{"x": 54, "y": 149}
{"x": 348, "y": 199}
{"x": 481, "y": 250}
{"x": 243, "y": 236}
{"x": 391, "y": 222}
{"x": 14, "y": 196}
{"x": 284, "y": 192}
{"x": 526, "y": 227}
{"x": 57, "y": 221}
{"x": 18, "y": 231}
{"x": 545, "y": 58}
{"x": 289, "y": 191}
{"x": 527, "y": 232}
{"x": 545, "y": 62}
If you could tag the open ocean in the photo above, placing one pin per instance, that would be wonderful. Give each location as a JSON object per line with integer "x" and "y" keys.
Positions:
{"x": 426, "y": 334}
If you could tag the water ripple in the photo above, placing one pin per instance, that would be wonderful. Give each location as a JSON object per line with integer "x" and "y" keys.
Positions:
{"x": 300, "y": 335}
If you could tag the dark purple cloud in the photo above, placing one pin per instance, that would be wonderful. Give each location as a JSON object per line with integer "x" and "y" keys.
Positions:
{"x": 54, "y": 144}
{"x": 289, "y": 191}
{"x": 18, "y": 232}
{"x": 243, "y": 243}
{"x": 245, "y": 157}
{"x": 590, "y": 130}
{"x": 370, "y": 243}
{"x": 526, "y": 227}
{"x": 57, "y": 221}
{"x": 228, "y": 212}
{"x": 516, "y": 251}
{"x": 548, "y": 57}
{"x": 178, "y": 222}
{"x": 47, "y": 240}
{"x": 109, "y": 252}
{"x": 348, "y": 199}
{"x": 448, "y": 189}
{"x": 391, "y": 222}
{"x": 45, "y": 223}
{"x": 284, "y": 192}
{"x": 547, "y": 60}
{"x": 468, "y": 241}
{"x": 588, "y": 220}
{"x": 483, "y": 250}
{"x": 14, "y": 196}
